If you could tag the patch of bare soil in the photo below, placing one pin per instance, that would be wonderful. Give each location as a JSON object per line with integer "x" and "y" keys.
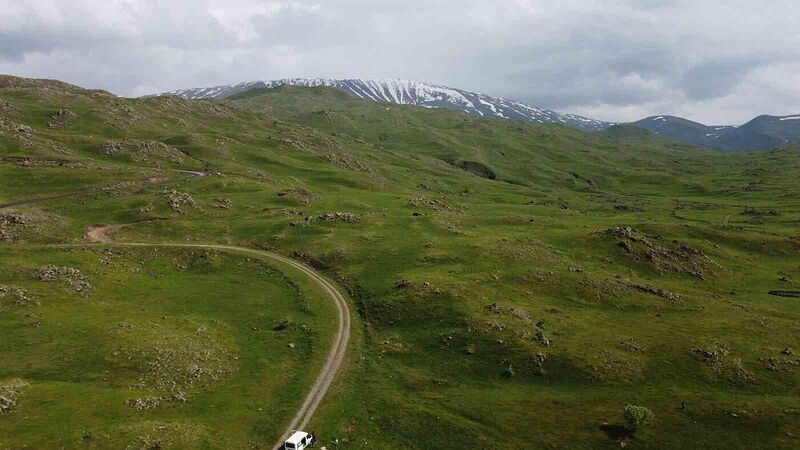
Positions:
{"x": 102, "y": 233}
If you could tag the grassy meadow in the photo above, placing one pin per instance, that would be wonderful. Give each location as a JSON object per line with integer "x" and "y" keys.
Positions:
{"x": 516, "y": 285}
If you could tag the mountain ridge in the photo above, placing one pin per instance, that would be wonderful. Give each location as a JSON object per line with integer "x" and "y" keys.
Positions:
{"x": 415, "y": 93}
{"x": 761, "y": 133}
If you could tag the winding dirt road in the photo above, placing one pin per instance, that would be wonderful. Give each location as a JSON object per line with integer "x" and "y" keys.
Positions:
{"x": 340, "y": 339}
{"x": 102, "y": 235}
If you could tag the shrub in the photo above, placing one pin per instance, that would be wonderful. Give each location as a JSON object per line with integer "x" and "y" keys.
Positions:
{"x": 638, "y": 416}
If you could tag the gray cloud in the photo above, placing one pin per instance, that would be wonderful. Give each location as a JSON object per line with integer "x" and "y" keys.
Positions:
{"x": 717, "y": 61}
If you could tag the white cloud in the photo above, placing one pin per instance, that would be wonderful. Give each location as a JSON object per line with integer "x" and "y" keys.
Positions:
{"x": 715, "y": 60}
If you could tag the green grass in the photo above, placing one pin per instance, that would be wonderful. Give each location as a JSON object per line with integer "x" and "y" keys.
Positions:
{"x": 530, "y": 241}
{"x": 155, "y": 314}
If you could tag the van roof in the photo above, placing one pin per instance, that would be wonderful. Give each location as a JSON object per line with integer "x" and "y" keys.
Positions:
{"x": 296, "y": 437}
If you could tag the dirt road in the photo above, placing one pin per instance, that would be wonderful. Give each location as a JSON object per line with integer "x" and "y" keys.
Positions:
{"x": 338, "y": 349}
{"x": 102, "y": 234}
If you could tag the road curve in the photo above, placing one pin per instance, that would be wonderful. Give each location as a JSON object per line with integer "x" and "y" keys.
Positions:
{"x": 338, "y": 349}
{"x": 340, "y": 340}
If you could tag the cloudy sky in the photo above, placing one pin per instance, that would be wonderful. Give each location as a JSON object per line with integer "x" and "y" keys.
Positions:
{"x": 715, "y": 61}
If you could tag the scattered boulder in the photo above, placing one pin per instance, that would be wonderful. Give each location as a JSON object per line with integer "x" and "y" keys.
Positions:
{"x": 494, "y": 308}
{"x": 718, "y": 357}
{"x": 647, "y": 289}
{"x": 61, "y": 118}
{"x": 675, "y": 256}
{"x": 10, "y": 392}
{"x": 223, "y": 203}
{"x": 179, "y": 202}
{"x": 21, "y": 296}
{"x": 631, "y": 346}
{"x": 144, "y": 403}
{"x": 138, "y": 151}
{"x": 13, "y": 219}
{"x": 751, "y": 211}
{"x": 299, "y": 195}
{"x": 71, "y": 277}
{"x": 338, "y": 217}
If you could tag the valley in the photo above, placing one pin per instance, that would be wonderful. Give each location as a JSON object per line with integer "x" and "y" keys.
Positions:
{"x": 512, "y": 285}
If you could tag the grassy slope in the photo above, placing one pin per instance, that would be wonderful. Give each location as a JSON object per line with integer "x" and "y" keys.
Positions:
{"x": 203, "y": 320}
{"x": 528, "y": 241}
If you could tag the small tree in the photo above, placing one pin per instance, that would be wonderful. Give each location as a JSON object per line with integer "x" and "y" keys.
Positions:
{"x": 638, "y": 416}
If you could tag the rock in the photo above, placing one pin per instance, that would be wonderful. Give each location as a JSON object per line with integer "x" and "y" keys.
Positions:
{"x": 542, "y": 339}
{"x": 13, "y": 219}
{"x": 139, "y": 151}
{"x": 788, "y": 351}
{"x": 292, "y": 345}
{"x": 223, "y": 203}
{"x": 494, "y": 308}
{"x": 338, "y": 217}
{"x": 62, "y": 117}
{"x": 300, "y": 195}
{"x": 9, "y": 395}
{"x": 179, "y": 201}
{"x": 144, "y": 403}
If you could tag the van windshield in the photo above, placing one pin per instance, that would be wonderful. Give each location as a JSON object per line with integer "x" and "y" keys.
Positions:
{"x": 289, "y": 445}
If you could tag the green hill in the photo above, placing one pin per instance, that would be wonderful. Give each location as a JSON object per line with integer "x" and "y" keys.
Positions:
{"x": 520, "y": 310}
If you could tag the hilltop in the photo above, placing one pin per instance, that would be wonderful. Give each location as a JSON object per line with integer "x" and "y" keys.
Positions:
{"x": 762, "y": 133}
{"x": 407, "y": 92}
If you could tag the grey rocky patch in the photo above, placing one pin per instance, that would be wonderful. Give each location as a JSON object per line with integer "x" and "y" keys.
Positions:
{"x": 21, "y": 296}
{"x": 13, "y": 219}
{"x": 10, "y": 391}
{"x": 223, "y": 203}
{"x": 338, "y": 217}
{"x": 140, "y": 151}
{"x": 631, "y": 346}
{"x": 674, "y": 256}
{"x": 74, "y": 280}
{"x": 299, "y": 195}
{"x": 62, "y": 118}
{"x": 179, "y": 202}
{"x": 494, "y": 308}
{"x": 144, "y": 403}
{"x": 719, "y": 358}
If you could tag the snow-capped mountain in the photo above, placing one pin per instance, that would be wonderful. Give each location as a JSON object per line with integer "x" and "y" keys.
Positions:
{"x": 405, "y": 92}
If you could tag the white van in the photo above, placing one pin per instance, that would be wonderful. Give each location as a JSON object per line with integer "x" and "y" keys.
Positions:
{"x": 300, "y": 440}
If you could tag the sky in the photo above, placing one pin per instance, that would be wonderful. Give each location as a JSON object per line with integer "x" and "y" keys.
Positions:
{"x": 714, "y": 61}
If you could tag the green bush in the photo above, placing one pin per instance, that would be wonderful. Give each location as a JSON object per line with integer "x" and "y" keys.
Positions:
{"x": 638, "y": 416}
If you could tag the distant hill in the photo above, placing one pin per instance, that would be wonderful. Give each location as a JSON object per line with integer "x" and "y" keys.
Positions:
{"x": 764, "y": 132}
{"x": 405, "y": 92}
{"x": 761, "y": 133}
